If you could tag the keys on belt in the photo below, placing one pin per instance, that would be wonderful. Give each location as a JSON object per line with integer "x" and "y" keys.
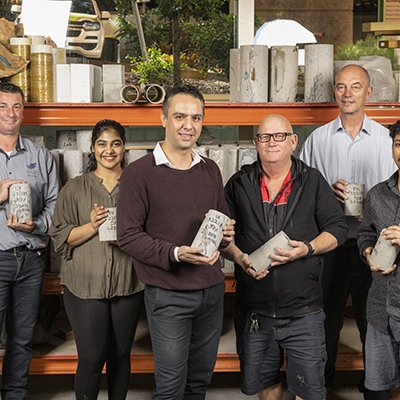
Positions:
{"x": 254, "y": 326}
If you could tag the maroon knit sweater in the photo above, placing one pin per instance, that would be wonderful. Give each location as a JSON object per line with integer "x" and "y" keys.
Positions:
{"x": 160, "y": 208}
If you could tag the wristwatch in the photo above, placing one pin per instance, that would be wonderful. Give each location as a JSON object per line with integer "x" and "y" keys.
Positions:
{"x": 311, "y": 249}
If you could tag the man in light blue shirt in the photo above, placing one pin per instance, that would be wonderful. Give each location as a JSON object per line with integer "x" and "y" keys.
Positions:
{"x": 23, "y": 243}
{"x": 350, "y": 149}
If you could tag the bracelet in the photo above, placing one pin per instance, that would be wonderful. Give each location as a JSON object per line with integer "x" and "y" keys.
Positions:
{"x": 311, "y": 249}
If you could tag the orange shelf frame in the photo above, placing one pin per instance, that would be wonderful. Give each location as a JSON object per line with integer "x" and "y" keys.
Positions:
{"x": 217, "y": 113}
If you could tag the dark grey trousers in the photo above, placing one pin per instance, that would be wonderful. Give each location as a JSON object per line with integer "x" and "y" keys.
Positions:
{"x": 185, "y": 327}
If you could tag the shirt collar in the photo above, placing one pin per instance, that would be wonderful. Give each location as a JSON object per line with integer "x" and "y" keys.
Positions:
{"x": 366, "y": 126}
{"x": 392, "y": 181}
{"x": 161, "y": 158}
{"x": 20, "y": 144}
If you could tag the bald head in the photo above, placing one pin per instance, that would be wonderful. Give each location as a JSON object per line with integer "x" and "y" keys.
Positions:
{"x": 353, "y": 70}
{"x": 275, "y": 123}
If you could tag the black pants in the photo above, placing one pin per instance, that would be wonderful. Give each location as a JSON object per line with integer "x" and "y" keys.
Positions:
{"x": 344, "y": 274}
{"x": 104, "y": 331}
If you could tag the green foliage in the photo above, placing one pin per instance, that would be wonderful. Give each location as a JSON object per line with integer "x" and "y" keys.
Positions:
{"x": 157, "y": 69}
{"x": 364, "y": 47}
{"x": 211, "y": 40}
{"x": 155, "y": 27}
{"x": 206, "y": 33}
{"x": 187, "y": 9}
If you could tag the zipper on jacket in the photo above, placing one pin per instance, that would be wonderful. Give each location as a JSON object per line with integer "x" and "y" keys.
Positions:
{"x": 275, "y": 293}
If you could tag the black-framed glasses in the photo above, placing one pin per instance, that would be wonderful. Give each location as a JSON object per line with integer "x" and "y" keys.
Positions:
{"x": 278, "y": 136}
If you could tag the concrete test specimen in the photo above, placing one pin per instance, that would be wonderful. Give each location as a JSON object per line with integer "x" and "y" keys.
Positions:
{"x": 20, "y": 200}
{"x": 210, "y": 233}
{"x": 384, "y": 253}
{"x": 261, "y": 258}
{"x": 353, "y": 205}
{"x": 108, "y": 230}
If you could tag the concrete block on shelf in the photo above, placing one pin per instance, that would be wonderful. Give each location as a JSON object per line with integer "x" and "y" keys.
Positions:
{"x": 85, "y": 83}
{"x": 114, "y": 74}
{"x": 112, "y": 93}
{"x": 63, "y": 83}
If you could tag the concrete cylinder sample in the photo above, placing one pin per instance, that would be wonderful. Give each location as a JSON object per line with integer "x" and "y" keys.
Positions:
{"x": 234, "y": 75}
{"x": 254, "y": 73}
{"x": 384, "y": 253}
{"x": 284, "y": 73}
{"x": 261, "y": 258}
{"x": 318, "y": 77}
{"x": 73, "y": 164}
{"x": 108, "y": 229}
{"x": 66, "y": 140}
{"x": 20, "y": 200}
{"x": 84, "y": 140}
{"x": 246, "y": 155}
{"x": 210, "y": 233}
{"x": 353, "y": 205}
{"x": 135, "y": 154}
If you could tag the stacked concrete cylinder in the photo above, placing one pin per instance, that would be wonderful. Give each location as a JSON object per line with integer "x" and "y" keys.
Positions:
{"x": 253, "y": 73}
{"x": 318, "y": 77}
{"x": 22, "y": 47}
{"x": 284, "y": 74}
{"x": 234, "y": 75}
{"x": 42, "y": 76}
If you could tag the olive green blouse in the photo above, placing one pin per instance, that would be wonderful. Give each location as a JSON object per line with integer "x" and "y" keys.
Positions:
{"x": 94, "y": 269}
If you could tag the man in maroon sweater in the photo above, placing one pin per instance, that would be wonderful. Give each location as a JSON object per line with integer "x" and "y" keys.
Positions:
{"x": 163, "y": 199}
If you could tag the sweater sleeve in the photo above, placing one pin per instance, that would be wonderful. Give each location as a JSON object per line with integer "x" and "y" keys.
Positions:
{"x": 133, "y": 205}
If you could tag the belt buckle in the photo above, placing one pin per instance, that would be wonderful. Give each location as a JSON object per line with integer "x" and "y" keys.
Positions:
{"x": 19, "y": 249}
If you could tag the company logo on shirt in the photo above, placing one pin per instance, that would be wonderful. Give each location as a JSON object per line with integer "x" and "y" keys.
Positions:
{"x": 32, "y": 169}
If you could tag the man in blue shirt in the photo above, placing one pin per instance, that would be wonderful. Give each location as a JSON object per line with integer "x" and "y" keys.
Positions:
{"x": 23, "y": 243}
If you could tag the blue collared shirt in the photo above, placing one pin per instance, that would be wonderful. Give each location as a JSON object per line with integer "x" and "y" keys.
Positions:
{"x": 34, "y": 164}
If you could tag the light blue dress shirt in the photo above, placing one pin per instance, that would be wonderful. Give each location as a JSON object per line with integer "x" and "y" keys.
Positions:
{"x": 365, "y": 159}
{"x": 34, "y": 164}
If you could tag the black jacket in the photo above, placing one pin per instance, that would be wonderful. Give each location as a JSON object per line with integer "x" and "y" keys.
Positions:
{"x": 291, "y": 289}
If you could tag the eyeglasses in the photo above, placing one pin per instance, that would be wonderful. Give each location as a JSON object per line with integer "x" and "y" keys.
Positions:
{"x": 278, "y": 136}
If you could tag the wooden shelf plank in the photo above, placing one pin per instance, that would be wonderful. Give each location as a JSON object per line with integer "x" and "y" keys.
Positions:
{"x": 382, "y": 28}
{"x": 51, "y": 284}
{"x": 144, "y": 363}
{"x": 217, "y": 113}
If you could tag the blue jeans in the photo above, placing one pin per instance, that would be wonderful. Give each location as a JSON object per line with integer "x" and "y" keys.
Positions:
{"x": 185, "y": 327}
{"x": 21, "y": 275}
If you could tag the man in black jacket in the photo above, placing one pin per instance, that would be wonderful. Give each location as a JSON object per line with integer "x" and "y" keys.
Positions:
{"x": 281, "y": 309}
